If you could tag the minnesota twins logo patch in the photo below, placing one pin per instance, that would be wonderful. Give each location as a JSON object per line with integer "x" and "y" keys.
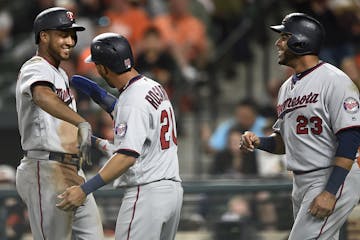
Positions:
{"x": 120, "y": 129}
{"x": 351, "y": 105}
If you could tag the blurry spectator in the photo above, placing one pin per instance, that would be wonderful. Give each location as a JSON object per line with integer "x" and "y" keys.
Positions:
{"x": 6, "y": 24}
{"x": 185, "y": 36}
{"x": 236, "y": 222}
{"x": 129, "y": 19}
{"x": 13, "y": 209}
{"x": 154, "y": 8}
{"x": 92, "y": 9}
{"x": 270, "y": 165}
{"x": 25, "y": 12}
{"x": 238, "y": 208}
{"x": 245, "y": 118}
{"x": 232, "y": 161}
{"x": 156, "y": 62}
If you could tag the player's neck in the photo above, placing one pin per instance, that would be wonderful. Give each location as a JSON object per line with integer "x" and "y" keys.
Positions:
{"x": 123, "y": 79}
{"x": 41, "y": 53}
{"x": 305, "y": 62}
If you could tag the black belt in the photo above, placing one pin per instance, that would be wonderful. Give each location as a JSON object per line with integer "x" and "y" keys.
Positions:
{"x": 309, "y": 171}
{"x": 65, "y": 158}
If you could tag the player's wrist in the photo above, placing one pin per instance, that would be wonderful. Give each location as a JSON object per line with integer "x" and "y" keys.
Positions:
{"x": 336, "y": 179}
{"x": 93, "y": 184}
{"x": 267, "y": 144}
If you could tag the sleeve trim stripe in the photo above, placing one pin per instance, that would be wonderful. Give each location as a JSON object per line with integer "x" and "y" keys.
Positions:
{"x": 345, "y": 128}
{"x": 128, "y": 152}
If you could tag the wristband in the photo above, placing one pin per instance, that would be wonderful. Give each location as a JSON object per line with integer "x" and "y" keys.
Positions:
{"x": 93, "y": 141}
{"x": 336, "y": 179}
{"x": 92, "y": 184}
{"x": 267, "y": 144}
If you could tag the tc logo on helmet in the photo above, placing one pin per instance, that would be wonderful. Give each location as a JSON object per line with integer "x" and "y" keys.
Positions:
{"x": 70, "y": 15}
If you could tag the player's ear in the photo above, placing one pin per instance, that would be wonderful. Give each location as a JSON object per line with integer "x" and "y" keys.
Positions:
{"x": 44, "y": 36}
{"x": 102, "y": 69}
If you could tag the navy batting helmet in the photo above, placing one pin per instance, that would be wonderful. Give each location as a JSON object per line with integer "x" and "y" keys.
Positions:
{"x": 306, "y": 33}
{"x": 113, "y": 51}
{"x": 55, "y": 18}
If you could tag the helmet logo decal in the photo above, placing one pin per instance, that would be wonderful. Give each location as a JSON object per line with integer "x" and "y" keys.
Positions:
{"x": 127, "y": 63}
{"x": 70, "y": 15}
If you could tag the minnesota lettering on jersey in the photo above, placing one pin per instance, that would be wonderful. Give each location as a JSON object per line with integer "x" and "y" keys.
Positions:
{"x": 156, "y": 96}
{"x": 292, "y": 104}
{"x": 64, "y": 95}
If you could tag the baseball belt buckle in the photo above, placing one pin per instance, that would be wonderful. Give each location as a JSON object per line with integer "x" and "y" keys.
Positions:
{"x": 67, "y": 158}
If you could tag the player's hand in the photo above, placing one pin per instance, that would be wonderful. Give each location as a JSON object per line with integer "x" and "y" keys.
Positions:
{"x": 72, "y": 198}
{"x": 84, "y": 139}
{"x": 103, "y": 145}
{"x": 249, "y": 141}
{"x": 323, "y": 205}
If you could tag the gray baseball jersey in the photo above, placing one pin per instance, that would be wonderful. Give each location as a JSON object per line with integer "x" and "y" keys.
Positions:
{"x": 310, "y": 113}
{"x": 145, "y": 125}
{"x": 40, "y": 180}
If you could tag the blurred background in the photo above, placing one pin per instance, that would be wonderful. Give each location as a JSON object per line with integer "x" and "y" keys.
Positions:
{"x": 218, "y": 62}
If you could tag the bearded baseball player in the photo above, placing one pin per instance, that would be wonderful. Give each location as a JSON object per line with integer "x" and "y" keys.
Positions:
{"x": 145, "y": 160}
{"x": 52, "y": 134}
{"x": 318, "y": 130}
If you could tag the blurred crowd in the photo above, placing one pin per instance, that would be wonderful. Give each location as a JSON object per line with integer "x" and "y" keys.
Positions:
{"x": 184, "y": 44}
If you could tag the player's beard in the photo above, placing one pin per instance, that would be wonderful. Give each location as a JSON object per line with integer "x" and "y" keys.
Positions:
{"x": 59, "y": 52}
{"x": 287, "y": 58}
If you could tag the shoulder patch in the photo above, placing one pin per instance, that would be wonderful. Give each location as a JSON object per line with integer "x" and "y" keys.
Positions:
{"x": 120, "y": 129}
{"x": 351, "y": 105}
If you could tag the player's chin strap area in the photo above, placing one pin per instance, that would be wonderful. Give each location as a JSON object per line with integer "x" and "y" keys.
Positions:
{"x": 66, "y": 158}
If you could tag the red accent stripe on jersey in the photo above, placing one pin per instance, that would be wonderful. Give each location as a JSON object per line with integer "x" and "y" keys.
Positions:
{"x": 40, "y": 206}
{"x": 131, "y": 81}
{"x": 133, "y": 214}
{"x": 306, "y": 72}
{"x": 322, "y": 228}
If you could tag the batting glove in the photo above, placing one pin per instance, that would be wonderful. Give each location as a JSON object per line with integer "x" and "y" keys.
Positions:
{"x": 84, "y": 139}
{"x": 106, "y": 147}
{"x": 105, "y": 100}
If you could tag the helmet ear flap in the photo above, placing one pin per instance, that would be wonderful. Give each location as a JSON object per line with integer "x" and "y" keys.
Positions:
{"x": 295, "y": 45}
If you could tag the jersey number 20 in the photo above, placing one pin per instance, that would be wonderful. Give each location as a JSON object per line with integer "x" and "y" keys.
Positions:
{"x": 167, "y": 121}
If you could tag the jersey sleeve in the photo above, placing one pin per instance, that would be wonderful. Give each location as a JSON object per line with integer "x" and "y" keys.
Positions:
{"x": 32, "y": 73}
{"x": 343, "y": 104}
{"x": 131, "y": 128}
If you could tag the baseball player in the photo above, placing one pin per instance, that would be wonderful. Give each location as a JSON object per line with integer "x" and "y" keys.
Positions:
{"x": 145, "y": 160}
{"x": 50, "y": 128}
{"x": 318, "y": 130}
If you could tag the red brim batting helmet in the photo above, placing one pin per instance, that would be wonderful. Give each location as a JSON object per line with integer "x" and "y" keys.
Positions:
{"x": 55, "y": 18}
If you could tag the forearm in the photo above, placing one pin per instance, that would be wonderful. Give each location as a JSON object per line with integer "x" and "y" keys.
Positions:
{"x": 48, "y": 101}
{"x": 116, "y": 166}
